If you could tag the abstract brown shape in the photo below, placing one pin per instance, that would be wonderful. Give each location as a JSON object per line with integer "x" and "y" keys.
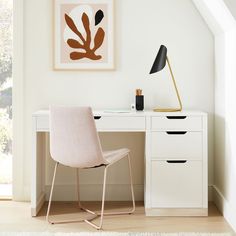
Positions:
{"x": 85, "y": 21}
{"x": 80, "y": 55}
{"x": 86, "y": 43}
{"x": 73, "y": 27}
{"x": 77, "y": 55}
{"x": 74, "y": 43}
{"x": 98, "y": 39}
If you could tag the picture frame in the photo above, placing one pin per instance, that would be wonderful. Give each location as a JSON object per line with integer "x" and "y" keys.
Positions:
{"x": 83, "y": 35}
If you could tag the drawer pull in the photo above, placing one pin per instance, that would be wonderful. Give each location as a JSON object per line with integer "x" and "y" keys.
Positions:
{"x": 177, "y": 161}
{"x": 176, "y": 117}
{"x": 97, "y": 117}
{"x": 176, "y": 132}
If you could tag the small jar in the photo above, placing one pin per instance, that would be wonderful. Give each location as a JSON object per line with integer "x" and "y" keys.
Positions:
{"x": 139, "y": 102}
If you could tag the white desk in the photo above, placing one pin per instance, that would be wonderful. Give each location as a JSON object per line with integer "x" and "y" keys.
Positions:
{"x": 176, "y": 159}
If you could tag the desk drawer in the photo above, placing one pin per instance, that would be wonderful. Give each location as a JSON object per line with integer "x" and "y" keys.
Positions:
{"x": 120, "y": 123}
{"x": 176, "y": 144}
{"x": 193, "y": 123}
{"x": 176, "y": 185}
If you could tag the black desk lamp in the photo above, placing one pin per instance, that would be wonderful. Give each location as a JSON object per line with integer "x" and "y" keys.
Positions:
{"x": 158, "y": 65}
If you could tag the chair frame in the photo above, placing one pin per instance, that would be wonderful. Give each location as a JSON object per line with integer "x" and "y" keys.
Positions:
{"x": 94, "y": 214}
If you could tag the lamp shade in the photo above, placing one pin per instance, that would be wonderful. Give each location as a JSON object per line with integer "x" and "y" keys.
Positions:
{"x": 160, "y": 60}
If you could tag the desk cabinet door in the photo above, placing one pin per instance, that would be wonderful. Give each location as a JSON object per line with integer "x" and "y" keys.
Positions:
{"x": 176, "y": 185}
{"x": 176, "y": 144}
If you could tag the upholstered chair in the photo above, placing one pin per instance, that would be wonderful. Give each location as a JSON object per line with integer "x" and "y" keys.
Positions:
{"x": 74, "y": 142}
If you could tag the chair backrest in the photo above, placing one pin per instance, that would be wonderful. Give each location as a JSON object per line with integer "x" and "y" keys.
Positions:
{"x": 74, "y": 139}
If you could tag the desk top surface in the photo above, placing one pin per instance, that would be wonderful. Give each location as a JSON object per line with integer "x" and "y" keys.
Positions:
{"x": 145, "y": 113}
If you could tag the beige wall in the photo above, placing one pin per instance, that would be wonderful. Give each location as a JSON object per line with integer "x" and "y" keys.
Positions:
{"x": 140, "y": 26}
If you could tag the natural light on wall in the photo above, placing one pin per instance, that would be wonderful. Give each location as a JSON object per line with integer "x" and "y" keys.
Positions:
{"x": 6, "y": 98}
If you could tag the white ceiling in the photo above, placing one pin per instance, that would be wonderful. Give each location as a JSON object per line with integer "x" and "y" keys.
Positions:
{"x": 231, "y": 4}
{"x": 217, "y": 15}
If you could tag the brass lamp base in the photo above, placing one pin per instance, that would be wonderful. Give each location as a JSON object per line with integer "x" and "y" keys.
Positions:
{"x": 177, "y": 93}
{"x": 167, "y": 109}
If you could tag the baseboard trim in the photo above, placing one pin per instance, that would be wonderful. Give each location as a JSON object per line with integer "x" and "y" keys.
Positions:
{"x": 210, "y": 199}
{"x": 224, "y": 207}
{"x": 40, "y": 202}
{"x": 177, "y": 212}
{"x": 90, "y": 188}
{"x": 93, "y": 192}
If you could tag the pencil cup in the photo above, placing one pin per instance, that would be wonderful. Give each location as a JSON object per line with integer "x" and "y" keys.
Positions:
{"x": 139, "y": 102}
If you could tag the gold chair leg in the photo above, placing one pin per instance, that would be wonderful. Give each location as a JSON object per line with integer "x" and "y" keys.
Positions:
{"x": 78, "y": 194}
{"x": 132, "y": 195}
{"x": 51, "y": 192}
{"x": 50, "y": 201}
{"x": 95, "y": 215}
{"x": 131, "y": 186}
{"x": 102, "y": 213}
{"x": 103, "y": 201}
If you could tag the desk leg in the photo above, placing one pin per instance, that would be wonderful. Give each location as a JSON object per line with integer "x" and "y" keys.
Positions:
{"x": 38, "y": 170}
{"x": 147, "y": 188}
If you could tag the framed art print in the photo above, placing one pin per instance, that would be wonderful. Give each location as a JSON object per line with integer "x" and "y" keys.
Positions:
{"x": 83, "y": 37}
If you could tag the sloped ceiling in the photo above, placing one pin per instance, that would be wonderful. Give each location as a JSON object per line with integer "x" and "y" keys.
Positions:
{"x": 216, "y": 14}
{"x": 231, "y": 4}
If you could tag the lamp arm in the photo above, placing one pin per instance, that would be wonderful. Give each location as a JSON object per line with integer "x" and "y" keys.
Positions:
{"x": 173, "y": 80}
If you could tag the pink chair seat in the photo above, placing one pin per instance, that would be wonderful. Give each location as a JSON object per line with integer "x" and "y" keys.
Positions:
{"x": 115, "y": 155}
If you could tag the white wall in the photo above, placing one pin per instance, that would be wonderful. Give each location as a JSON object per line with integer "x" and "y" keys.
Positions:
{"x": 18, "y": 100}
{"x": 141, "y": 26}
{"x": 223, "y": 25}
{"x": 225, "y": 127}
